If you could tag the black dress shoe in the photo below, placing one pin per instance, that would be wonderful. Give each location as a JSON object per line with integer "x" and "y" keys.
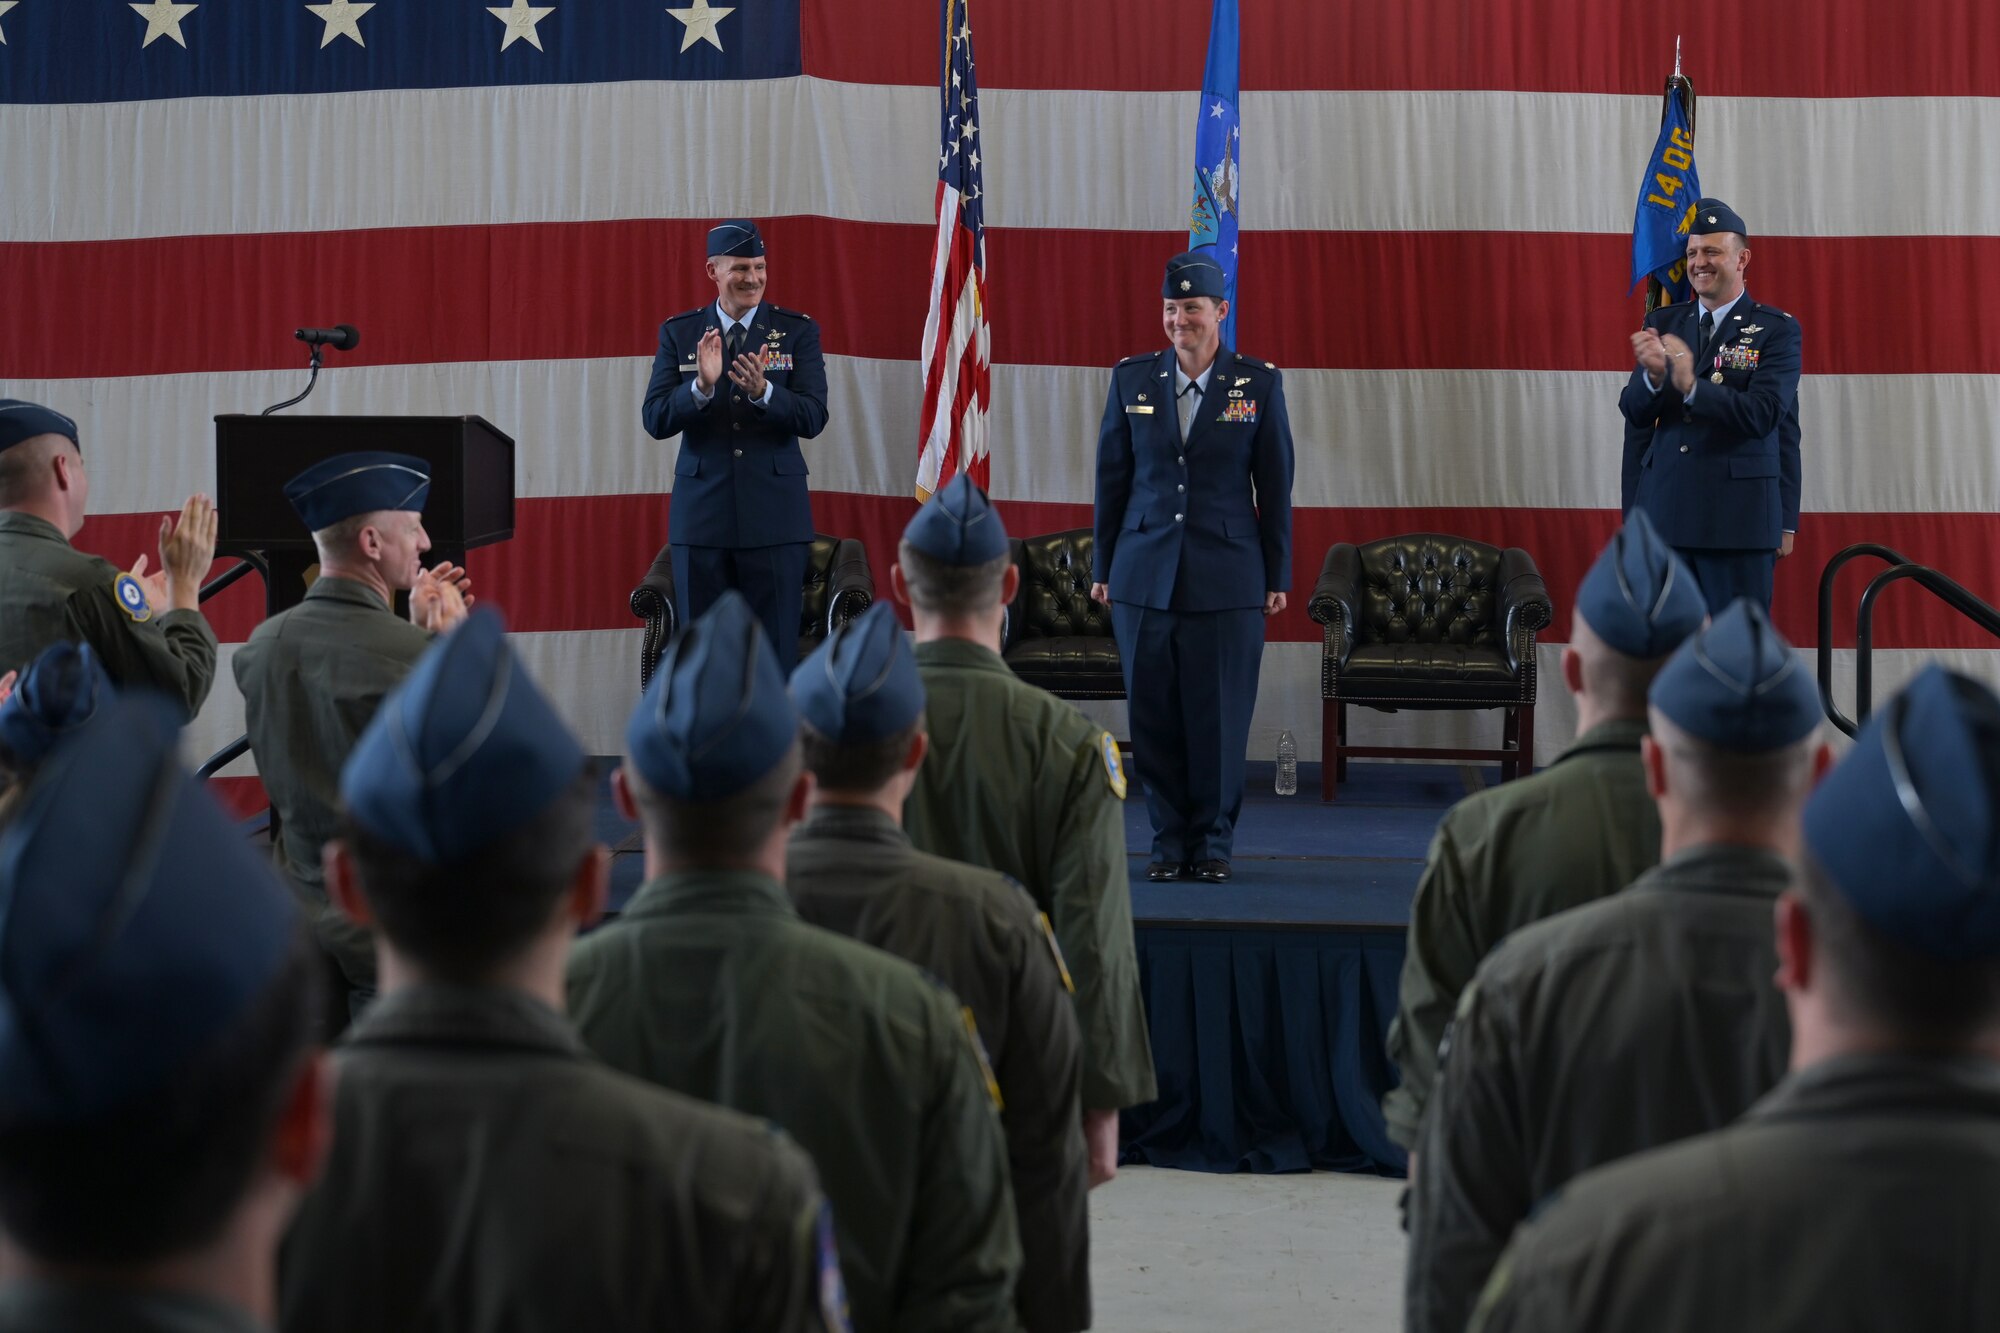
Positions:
{"x": 1213, "y": 872}
{"x": 1162, "y": 871}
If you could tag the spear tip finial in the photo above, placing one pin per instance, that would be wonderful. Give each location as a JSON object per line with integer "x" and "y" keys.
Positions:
{"x": 1677, "y": 55}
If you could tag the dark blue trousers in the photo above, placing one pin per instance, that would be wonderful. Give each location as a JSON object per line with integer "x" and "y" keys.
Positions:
{"x": 1191, "y": 679}
{"x": 771, "y": 579}
{"x": 1725, "y": 576}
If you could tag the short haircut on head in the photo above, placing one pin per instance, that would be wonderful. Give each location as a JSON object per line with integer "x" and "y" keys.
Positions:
{"x": 24, "y": 469}
{"x": 942, "y": 589}
{"x": 463, "y": 921}
{"x": 341, "y": 535}
{"x": 861, "y": 767}
{"x": 1771, "y": 783}
{"x": 1875, "y": 981}
{"x": 162, "y": 1174}
{"x": 718, "y": 832}
{"x": 1619, "y": 683}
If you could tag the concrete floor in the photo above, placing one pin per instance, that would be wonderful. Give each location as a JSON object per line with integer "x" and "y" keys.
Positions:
{"x": 1187, "y": 1252}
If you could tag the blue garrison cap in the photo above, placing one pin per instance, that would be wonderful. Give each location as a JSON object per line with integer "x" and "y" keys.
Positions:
{"x": 1713, "y": 215}
{"x": 137, "y": 925}
{"x": 55, "y": 695}
{"x": 738, "y": 238}
{"x": 1639, "y": 597}
{"x": 716, "y": 717}
{"x": 958, "y": 525}
{"x": 1738, "y": 685}
{"x": 1194, "y": 274}
{"x": 1904, "y": 825}
{"x": 465, "y": 750}
{"x": 861, "y": 685}
{"x": 349, "y": 484}
{"x": 21, "y": 421}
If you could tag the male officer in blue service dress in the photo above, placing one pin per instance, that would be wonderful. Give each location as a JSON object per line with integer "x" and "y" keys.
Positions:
{"x": 740, "y": 516}
{"x": 487, "y": 1173}
{"x": 1717, "y": 384}
{"x": 1193, "y": 550}
{"x": 162, "y": 1107}
{"x": 1864, "y": 1190}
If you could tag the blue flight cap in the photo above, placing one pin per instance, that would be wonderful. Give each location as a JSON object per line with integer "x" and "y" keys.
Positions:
{"x": 738, "y": 238}
{"x": 716, "y": 717}
{"x": 1639, "y": 597}
{"x": 861, "y": 685}
{"x": 465, "y": 750}
{"x": 21, "y": 421}
{"x": 361, "y": 483}
{"x": 137, "y": 925}
{"x": 1904, "y": 825}
{"x": 1712, "y": 215}
{"x": 958, "y": 525}
{"x": 1738, "y": 685}
{"x": 1194, "y": 274}
{"x": 56, "y": 694}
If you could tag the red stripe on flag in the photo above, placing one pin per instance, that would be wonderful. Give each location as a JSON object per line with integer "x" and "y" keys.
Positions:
{"x": 1780, "y": 48}
{"x": 547, "y": 580}
{"x": 1363, "y": 300}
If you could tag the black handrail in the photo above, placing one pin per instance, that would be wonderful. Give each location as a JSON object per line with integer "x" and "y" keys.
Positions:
{"x": 243, "y": 566}
{"x": 1948, "y": 590}
{"x": 222, "y": 758}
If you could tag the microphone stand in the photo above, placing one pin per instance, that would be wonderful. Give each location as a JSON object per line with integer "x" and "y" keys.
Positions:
{"x": 318, "y": 350}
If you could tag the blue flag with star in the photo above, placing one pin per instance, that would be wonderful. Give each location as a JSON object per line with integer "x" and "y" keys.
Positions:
{"x": 1667, "y": 195}
{"x": 1218, "y": 154}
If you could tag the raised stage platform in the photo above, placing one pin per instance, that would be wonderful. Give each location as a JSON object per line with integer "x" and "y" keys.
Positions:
{"x": 1270, "y": 996}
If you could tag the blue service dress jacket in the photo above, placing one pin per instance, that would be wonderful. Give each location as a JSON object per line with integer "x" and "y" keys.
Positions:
{"x": 1202, "y": 524}
{"x": 740, "y": 480}
{"x": 1721, "y": 472}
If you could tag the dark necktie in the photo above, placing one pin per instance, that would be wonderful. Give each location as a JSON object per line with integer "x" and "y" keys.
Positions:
{"x": 1707, "y": 332}
{"x": 732, "y": 347}
{"x": 1189, "y": 404}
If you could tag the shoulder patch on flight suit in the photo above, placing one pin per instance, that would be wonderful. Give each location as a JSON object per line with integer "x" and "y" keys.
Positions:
{"x": 1114, "y": 766}
{"x": 1055, "y": 950}
{"x": 131, "y": 598}
{"x": 985, "y": 1064}
{"x": 832, "y": 1287}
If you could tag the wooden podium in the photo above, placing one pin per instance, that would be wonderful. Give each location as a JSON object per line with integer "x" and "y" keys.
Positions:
{"x": 471, "y": 503}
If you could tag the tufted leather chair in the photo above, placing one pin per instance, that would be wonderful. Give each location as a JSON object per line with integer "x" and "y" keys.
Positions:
{"x": 838, "y": 587}
{"x": 1056, "y": 637}
{"x": 1428, "y": 621}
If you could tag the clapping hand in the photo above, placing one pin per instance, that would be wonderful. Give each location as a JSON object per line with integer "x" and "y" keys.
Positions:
{"x": 748, "y": 374}
{"x": 708, "y": 361}
{"x": 1651, "y": 354}
{"x": 1681, "y": 359}
{"x": 187, "y": 549}
{"x": 441, "y": 597}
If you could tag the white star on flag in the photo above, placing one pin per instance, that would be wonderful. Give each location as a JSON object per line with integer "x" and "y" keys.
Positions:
{"x": 163, "y": 19}
{"x": 6, "y": 5}
{"x": 1215, "y": 112}
{"x": 700, "y": 19}
{"x": 342, "y": 19}
{"x": 521, "y": 20}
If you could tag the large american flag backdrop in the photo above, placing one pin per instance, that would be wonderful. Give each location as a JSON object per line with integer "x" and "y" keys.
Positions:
{"x": 1436, "y": 231}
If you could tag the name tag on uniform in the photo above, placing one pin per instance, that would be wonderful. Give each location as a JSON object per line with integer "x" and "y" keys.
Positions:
{"x": 1141, "y": 411}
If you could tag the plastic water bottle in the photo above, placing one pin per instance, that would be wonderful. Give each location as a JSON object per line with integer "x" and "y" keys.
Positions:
{"x": 1288, "y": 764}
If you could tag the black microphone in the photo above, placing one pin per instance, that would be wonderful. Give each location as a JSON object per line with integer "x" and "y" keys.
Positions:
{"x": 341, "y": 337}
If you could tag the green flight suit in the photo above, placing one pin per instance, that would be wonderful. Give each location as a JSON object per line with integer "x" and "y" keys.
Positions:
{"x": 1862, "y": 1194}
{"x": 50, "y": 592}
{"x": 853, "y": 871}
{"x": 312, "y": 677}
{"x": 1019, "y": 781}
{"x": 1615, "y": 1027}
{"x": 489, "y": 1176}
{"x": 711, "y": 985}
{"x": 1580, "y": 829}
{"x": 32, "y": 1305}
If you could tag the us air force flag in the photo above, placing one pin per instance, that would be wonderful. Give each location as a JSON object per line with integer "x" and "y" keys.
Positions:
{"x": 1667, "y": 194}
{"x": 1218, "y": 152}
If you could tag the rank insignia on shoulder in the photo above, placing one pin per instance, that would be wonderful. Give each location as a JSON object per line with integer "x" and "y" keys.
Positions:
{"x": 1270, "y": 365}
{"x": 1114, "y": 765}
{"x": 1055, "y": 950}
{"x": 131, "y": 597}
{"x": 979, "y": 1050}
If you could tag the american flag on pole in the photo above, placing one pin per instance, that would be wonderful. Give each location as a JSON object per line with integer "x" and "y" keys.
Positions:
{"x": 958, "y": 346}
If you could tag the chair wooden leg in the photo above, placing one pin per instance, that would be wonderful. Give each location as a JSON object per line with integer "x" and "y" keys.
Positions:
{"x": 1525, "y": 730}
{"x": 1509, "y": 744}
{"x": 1329, "y": 748}
{"x": 1341, "y": 709}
